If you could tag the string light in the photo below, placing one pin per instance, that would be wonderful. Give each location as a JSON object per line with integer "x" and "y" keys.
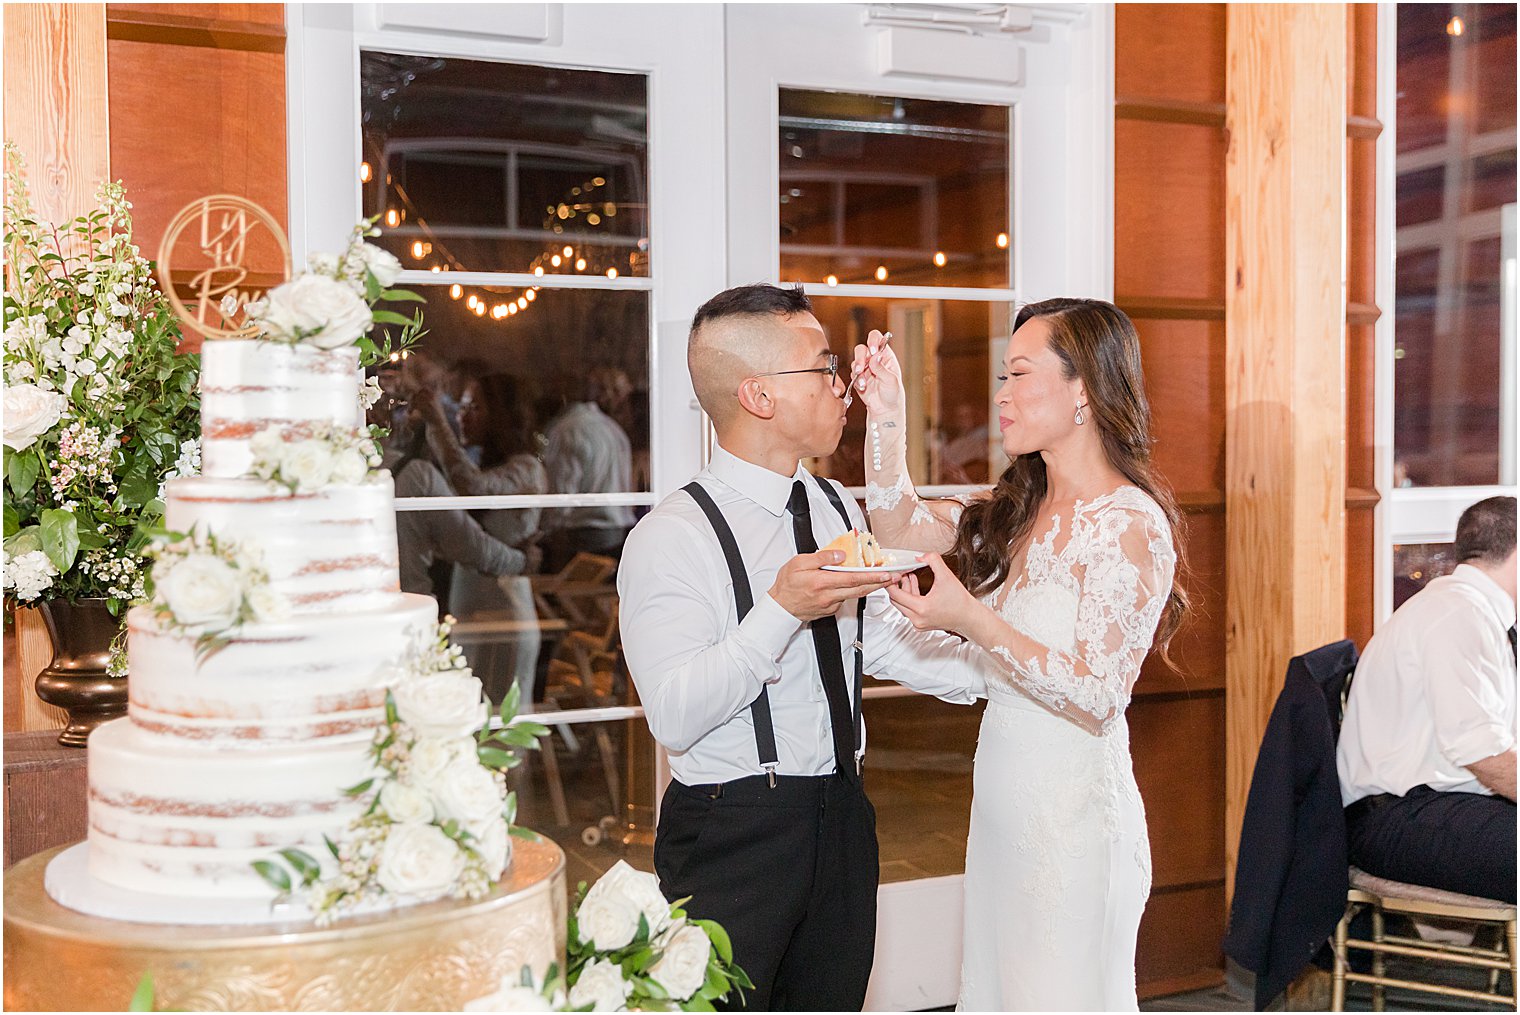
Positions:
{"x": 511, "y": 308}
{"x": 612, "y": 273}
{"x": 522, "y": 303}
{"x": 538, "y": 270}
{"x": 499, "y": 311}
{"x": 568, "y": 251}
{"x": 480, "y": 309}
{"x": 580, "y": 264}
{"x": 1002, "y": 241}
{"x": 881, "y": 273}
{"x": 531, "y": 295}
{"x": 435, "y": 269}
{"x": 832, "y": 280}
{"x": 1455, "y": 27}
{"x": 456, "y": 290}
{"x": 939, "y": 258}
{"x": 365, "y": 173}
{"x": 554, "y": 261}
{"x": 392, "y": 218}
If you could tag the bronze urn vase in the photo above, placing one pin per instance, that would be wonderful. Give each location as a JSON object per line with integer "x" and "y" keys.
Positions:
{"x": 76, "y": 680}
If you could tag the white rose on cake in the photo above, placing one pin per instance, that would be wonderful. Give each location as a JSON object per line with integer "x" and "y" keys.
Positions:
{"x": 308, "y": 465}
{"x": 268, "y": 605}
{"x": 362, "y": 257}
{"x": 683, "y": 968}
{"x": 492, "y": 843}
{"x": 201, "y": 591}
{"x": 601, "y": 985}
{"x": 405, "y": 805}
{"x": 431, "y": 756}
{"x": 350, "y": 467}
{"x": 317, "y": 310}
{"x": 419, "y": 860}
{"x": 30, "y": 412}
{"x": 441, "y": 704}
{"x": 467, "y": 792}
{"x": 514, "y": 995}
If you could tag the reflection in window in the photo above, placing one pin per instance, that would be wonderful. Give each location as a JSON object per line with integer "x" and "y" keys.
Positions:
{"x": 947, "y": 349}
{"x": 1454, "y": 284}
{"x": 891, "y": 191}
{"x": 1415, "y": 564}
{"x": 481, "y": 166}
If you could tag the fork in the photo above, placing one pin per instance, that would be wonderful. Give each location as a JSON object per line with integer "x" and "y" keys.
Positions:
{"x": 849, "y": 392}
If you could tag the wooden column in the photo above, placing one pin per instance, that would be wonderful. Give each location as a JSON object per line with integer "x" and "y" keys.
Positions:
{"x": 56, "y": 113}
{"x": 1285, "y": 325}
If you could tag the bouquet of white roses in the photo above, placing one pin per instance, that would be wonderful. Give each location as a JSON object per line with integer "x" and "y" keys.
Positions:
{"x": 100, "y": 410}
{"x": 628, "y": 948}
{"x": 438, "y": 811}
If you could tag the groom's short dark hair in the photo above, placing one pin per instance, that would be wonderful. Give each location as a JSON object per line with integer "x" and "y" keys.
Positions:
{"x": 747, "y": 300}
{"x": 1486, "y": 531}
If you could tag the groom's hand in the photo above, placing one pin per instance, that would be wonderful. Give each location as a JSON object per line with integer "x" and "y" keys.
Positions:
{"x": 808, "y": 592}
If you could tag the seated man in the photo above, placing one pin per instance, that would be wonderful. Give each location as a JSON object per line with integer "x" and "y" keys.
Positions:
{"x": 1427, "y": 750}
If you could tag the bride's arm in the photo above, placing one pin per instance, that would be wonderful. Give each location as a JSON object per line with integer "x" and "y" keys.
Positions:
{"x": 899, "y": 516}
{"x": 1123, "y": 583}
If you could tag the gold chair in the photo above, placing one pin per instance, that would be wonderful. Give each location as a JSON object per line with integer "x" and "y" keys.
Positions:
{"x": 1382, "y": 897}
{"x": 586, "y": 672}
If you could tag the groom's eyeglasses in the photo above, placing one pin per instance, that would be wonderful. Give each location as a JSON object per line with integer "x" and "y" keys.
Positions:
{"x": 832, "y": 370}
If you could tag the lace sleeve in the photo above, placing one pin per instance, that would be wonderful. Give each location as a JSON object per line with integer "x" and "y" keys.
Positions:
{"x": 899, "y": 517}
{"x": 1122, "y": 578}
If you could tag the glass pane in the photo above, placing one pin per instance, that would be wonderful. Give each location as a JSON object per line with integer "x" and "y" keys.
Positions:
{"x": 895, "y": 191}
{"x": 947, "y": 349}
{"x": 1415, "y": 564}
{"x": 474, "y": 165}
{"x": 918, "y": 769}
{"x": 590, "y": 788}
{"x": 1456, "y": 181}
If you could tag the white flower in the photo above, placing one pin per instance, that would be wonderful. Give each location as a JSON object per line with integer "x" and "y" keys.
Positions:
{"x": 86, "y": 367}
{"x": 512, "y": 994}
{"x": 23, "y": 371}
{"x": 418, "y": 860}
{"x": 363, "y": 257}
{"x": 268, "y": 605}
{"x": 467, "y": 792}
{"x": 641, "y": 890}
{"x": 432, "y": 756}
{"x": 441, "y": 704}
{"x": 315, "y": 309}
{"x": 601, "y": 985}
{"x": 405, "y": 805}
{"x": 201, "y": 590}
{"x": 228, "y": 306}
{"x": 682, "y": 969}
{"x": 30, "y": 574}
{"x": 607, "y": 921}
{"x": 323, "y": 264}
{"x": 369, "y": 393}
{"x": 30, "y": 412}
{"x": 493, "y": 844}
{"x": 307, "y": 464}
{"x": 350, "y": 467}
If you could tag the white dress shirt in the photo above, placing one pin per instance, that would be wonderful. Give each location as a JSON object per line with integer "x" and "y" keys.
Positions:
{"x": 697, "y": 669}
{"x": 1433, "y": 693}
{"x": 586, "y": 451}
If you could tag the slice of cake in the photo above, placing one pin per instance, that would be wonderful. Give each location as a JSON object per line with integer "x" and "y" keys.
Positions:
{"x": 860, "y": 549}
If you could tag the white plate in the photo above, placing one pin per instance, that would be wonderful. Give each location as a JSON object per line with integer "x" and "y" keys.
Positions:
{"x": 898, "y": 561}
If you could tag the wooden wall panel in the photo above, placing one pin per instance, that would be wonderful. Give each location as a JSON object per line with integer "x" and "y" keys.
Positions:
{"x": 1198, "y": 647}
{"x": 1182, "y": 733}
{"x": 1170, "y": 52}
{"x": 1181, "y": 939}
{"x": 1168, "y": 211}
{"x": 1184, "y": 378}
{"x": 259, "y": 14}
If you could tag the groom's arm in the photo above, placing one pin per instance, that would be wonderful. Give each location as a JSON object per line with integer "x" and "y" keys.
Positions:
{"x": 692, "y": 672}
{"x": 930, "y": 662}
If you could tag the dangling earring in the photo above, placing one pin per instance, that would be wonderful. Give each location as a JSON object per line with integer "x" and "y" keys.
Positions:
{"x": 1079, "y": 418}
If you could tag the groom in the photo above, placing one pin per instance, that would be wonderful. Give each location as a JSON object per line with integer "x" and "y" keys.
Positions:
{"x": 748, "y": 659}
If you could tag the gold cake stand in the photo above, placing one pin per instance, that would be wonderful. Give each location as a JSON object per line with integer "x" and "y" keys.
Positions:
{"x": 432, "y": 957}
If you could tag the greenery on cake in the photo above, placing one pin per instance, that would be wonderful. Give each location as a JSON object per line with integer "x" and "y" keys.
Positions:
{"x": 436, "y": 812}
{"x": 334, "y": 454}
{"x": 208, "y": 586}
{"x": 100, "y": 409}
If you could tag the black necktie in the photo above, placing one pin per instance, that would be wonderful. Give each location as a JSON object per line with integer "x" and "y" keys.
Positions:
{"x": 1511, "y": 633}
{"x": 826, "y": 645}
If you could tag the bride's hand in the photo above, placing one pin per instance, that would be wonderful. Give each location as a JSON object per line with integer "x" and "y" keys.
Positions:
{"x": 946, "y": 607}
{"x": 877, "y": 376}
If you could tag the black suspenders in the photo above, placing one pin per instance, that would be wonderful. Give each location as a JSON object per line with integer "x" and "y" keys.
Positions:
{"x": 744, "y": 601}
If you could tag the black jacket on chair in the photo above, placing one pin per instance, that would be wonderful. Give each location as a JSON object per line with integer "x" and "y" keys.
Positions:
{"x": 1290, "y": 878}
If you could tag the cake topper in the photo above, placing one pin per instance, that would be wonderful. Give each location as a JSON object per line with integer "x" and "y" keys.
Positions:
{"x": 209, "y": 240}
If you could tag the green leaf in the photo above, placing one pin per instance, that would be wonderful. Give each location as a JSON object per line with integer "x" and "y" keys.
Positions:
{"x": 391, "y": 317}
{"x": 357, "y": 788}
{"x": 25, "y": 541}
{"x": 494, "y": 757}
{"x": 698, "y": 1003}
{"x": 404, "y": 295}
{"x": 509, "y": 704}
{"x": 12, "y": 522}
{"x": 142, "y": 997}
{"x": 391, "y": 716}
{"x": 719, "y": 937}
{"x": 332, "y": 847}
{"x": 303, "y": 864}
{"x": 60, "y": 537}
{"x": 21, "y": 470}
{"x": 519, "y": 832}
{"x": 273, "y": 873}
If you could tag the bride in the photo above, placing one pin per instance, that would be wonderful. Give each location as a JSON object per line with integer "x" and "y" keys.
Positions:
{"x": 1064, "y": 578}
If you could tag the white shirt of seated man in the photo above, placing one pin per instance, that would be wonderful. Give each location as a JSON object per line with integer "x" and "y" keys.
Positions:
{"x": 1433, "y": 699}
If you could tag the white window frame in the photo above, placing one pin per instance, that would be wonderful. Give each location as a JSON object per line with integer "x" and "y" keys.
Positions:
{"x": 1409, "y": 515}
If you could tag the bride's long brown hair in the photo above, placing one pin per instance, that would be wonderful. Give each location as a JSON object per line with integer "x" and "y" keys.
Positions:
{"x": 1095, "y": 341}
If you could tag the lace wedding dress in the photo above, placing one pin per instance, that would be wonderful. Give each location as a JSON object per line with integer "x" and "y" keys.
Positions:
{"x": 1058, "y": 863}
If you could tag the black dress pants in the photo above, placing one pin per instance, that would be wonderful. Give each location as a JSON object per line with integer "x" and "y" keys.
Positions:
{"x": 1459, "y": 842}
{"x": 791, "y": 874}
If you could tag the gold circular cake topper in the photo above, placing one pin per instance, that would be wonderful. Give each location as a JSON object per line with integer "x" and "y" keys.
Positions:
{"x": 215, "y": 231}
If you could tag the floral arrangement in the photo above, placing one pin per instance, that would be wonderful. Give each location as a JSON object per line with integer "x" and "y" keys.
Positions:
{"x": 211, "y": 586}
{"x": 336, "y": 455}
{"x": 331, "y": 304}
{"x": 100, "y": 410}
{"x": 629, "y": 949}
{"x": 438, "y": 812}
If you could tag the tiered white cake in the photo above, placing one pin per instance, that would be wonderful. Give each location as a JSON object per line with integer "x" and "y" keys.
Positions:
{"x": 224, "y": 760}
